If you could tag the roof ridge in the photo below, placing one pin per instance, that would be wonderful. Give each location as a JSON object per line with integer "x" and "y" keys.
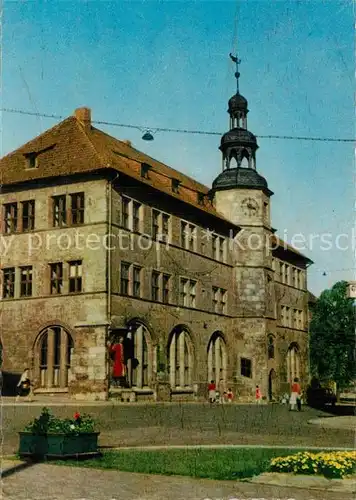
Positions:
{"x": 38, "y": 137}
{"x": 151, "y": 158}
{"x": 100, "y": 158}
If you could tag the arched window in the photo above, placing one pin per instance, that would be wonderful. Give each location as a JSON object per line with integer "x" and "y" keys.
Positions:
{"x": 293, "y": 363}
{"x": 217, "y": 358}
{"x": 245, "y": 159}
{"x": 53, "y": 357}
{"x": 140, "y": 371}
{"x": 270, "y": 347}
{"x": 180, "y": 359}
{"x": 233, "y": 162}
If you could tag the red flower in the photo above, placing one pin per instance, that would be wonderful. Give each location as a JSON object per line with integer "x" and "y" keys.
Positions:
{"x": 76, "y": 415}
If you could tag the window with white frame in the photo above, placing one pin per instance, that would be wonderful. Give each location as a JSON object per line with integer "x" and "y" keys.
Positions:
{"x": 300, "y": 320}
{"x": 270, "y": 347}
{"x": 136, "y": 216}
{"x": 188, "y": 236}
{"x": 131, "y": 279}
{"x": 281, "y": 272}
{"x": 26, "y": 281}
{"x": 10, "y": 217}
{"x": 131, "y": 215}
{"x": 8, "y": 283}
{"x": 295, "y": 318}
{"x": 160, "y": 287}
{"x": 187, "y": 292}
{"x": 283, "y": 315}
{"x": 219, "y": 300}
{"x": 125, "y": 278}
{"x": 180, "y": 359}
{"x": 136, "y": 281}
{"x": 219, "y": 248}
{"x": 28, "y": 215}
{"x": 75, "y": 276}
{"x": 161, "y": 226}
{"x": 125, "y": 213}
{"x": 286, "y": 274}
{"x": 301, "y": 280}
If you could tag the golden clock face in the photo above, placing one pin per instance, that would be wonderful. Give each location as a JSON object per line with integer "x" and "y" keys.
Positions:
{"x": 249, "y": 207}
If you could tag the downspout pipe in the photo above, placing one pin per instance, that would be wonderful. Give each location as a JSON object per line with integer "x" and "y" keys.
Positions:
{"x": 108, "y": 267}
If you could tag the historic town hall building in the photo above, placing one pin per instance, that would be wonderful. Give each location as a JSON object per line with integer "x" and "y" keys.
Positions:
{"x": 98, "y": 240}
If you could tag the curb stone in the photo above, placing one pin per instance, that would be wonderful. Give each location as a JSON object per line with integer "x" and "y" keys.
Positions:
{"x": 9, "y": 467}
{"x": 347, "y": 485}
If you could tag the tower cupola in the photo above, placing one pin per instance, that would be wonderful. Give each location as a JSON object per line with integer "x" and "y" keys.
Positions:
{"x": 238, "y": 146}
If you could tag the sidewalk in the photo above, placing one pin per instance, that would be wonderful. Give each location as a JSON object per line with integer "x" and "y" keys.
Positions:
{"x": 44, "y": 481}
{"x": 346, "y": 423}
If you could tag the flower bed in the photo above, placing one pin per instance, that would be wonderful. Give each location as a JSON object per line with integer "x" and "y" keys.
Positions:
{"x": 336, "y": 464}
{"x": 48, "y": 436}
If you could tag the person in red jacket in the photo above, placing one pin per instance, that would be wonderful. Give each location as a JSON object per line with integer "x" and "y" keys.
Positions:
{"x": 117, "y": 354}
{"x": 212, "y": 391}
{"x": 295, "y": 399}
{"x": 258, "y": 395}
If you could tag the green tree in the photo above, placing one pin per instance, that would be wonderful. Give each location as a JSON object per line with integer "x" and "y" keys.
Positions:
{"x": 332, "y": 336}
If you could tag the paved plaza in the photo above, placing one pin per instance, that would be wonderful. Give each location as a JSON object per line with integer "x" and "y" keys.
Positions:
{"x": 187, "y": 424}
{"x": 53, "y": 482}
{"x": 166, "y": 425}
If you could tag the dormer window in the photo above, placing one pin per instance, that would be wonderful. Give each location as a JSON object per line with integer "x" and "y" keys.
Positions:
{"x": 175, "y": 185}
{"x": 144, "y": 170}
{"x": 201, "y": 198}
{"x": 31, "y": 160}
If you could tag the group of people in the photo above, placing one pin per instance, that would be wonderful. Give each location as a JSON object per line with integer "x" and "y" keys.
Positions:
{"x": 220, "y": 395}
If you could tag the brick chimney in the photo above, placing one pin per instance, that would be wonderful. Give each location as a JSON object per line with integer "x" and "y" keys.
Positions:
{"x": 83, "y": 115}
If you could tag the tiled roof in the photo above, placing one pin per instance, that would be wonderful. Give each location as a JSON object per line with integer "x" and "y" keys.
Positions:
{"x": 73, "y": 147}
{"x": 70, "y": 148}
{"x": 286, "y": 246}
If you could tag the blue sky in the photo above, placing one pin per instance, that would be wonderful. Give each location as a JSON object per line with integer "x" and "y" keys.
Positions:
{"x": 165, "y": 64}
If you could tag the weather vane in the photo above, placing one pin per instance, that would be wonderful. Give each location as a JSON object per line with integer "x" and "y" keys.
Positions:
{"x": 237, "y": 61}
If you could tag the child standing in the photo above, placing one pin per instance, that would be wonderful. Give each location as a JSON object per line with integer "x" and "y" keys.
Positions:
{"x": 258, "y": 395}
{"x": 229, "y": 396}
{"x": 212, "y": 391}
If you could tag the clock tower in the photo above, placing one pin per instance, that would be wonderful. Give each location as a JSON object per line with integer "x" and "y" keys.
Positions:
{"x": 242, "y": 196}
{"x": 240, "y": 193}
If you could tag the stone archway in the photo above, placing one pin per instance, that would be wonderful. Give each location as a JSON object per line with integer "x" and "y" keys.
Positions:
{"x": 140, "y": 362}
{"x": 271, "y": 384}
{"x": 180, "y": 359}
{"x": 293, "y": 362}
{"x": 217, "y": 358}
{"x": 52, "y": 357}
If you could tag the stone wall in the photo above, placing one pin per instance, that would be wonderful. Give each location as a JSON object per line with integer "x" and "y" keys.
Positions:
{"x": 24, "y": 318}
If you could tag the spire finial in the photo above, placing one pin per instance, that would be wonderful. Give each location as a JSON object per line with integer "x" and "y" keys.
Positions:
{"x": 237, "y": 61}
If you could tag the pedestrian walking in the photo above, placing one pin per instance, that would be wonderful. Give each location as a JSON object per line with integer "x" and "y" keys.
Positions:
{"x": 258, "y": 395}
{"x": 24, "y": 385}
{"x": 295, "y": 399}
{"x": 212, "y": 391}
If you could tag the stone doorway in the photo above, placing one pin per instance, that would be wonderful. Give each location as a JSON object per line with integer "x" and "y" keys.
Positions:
{"x": 53, "y": 357}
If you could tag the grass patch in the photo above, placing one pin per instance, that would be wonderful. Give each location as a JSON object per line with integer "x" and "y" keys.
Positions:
{"x": 223, "y": 464}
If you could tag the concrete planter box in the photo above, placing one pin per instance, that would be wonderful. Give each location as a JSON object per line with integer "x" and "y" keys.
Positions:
{"x": 59, "y": 445}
